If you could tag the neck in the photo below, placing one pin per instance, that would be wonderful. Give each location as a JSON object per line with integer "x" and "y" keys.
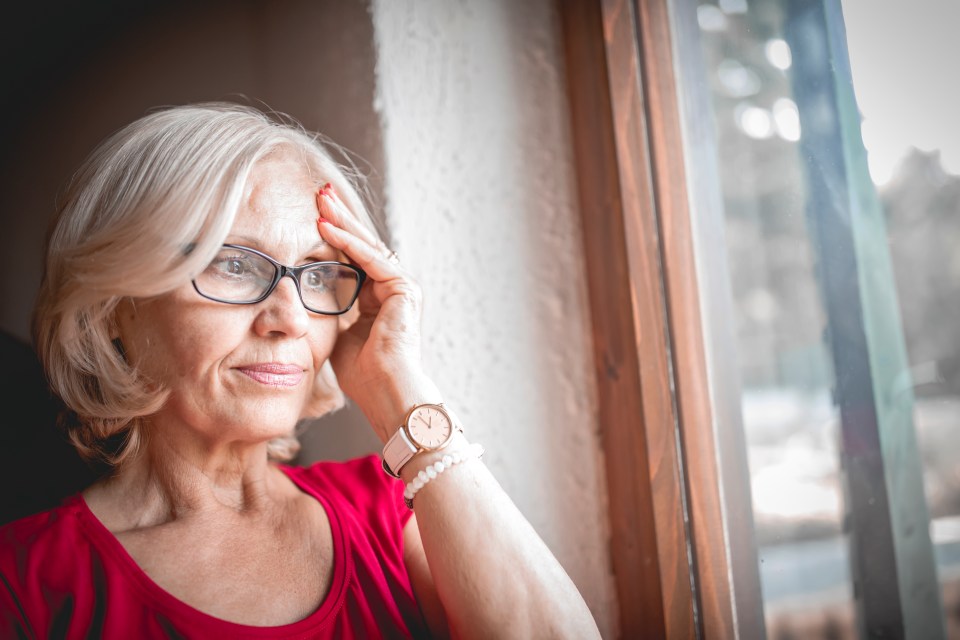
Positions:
{"x": 174, "y": 478}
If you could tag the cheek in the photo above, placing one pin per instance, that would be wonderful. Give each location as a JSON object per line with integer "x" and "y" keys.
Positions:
{"x": 196, "y": 347}
{"x": 168, "y": 342}
{"x": 323, "y": 339}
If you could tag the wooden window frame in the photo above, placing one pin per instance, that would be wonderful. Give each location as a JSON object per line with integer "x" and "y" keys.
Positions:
{"x": 681, "y": 527}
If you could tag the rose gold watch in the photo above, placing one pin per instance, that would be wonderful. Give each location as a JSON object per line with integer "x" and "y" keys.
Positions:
{"x": 426, "y": 427}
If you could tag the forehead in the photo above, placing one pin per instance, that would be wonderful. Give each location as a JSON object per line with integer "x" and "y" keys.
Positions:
{"x": 279, "y": 208}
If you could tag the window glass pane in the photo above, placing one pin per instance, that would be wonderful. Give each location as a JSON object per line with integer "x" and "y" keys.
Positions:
{"x": 909, "y": 129}
{"x": 790, "y": 421}
{"x": 846, "y": 297}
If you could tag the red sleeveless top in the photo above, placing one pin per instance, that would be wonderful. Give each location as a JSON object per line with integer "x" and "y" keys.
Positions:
{"x": 64, "y": 575}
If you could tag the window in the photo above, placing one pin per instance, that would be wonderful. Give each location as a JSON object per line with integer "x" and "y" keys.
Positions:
{"x": 774, "y": 326}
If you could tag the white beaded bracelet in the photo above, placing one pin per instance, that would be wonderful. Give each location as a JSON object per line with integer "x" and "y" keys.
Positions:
{"x": 435, "y": 469}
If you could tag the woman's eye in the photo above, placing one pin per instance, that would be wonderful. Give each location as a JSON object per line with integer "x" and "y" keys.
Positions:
{"x": 232, "y": 266}
{"x": 315, "y": 280}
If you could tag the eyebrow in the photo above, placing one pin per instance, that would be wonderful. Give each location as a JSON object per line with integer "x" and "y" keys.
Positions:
{"x": 319, "y": 246}
{"x": 254, "y": 243}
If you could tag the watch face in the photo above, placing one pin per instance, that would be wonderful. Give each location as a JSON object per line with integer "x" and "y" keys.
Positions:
{"x": 429, "y": 426}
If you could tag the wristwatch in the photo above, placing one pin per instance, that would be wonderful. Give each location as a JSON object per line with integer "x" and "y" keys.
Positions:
{"x": 426, "y": 427}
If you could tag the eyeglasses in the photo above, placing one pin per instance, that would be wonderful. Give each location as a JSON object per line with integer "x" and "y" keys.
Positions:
{"x": 240, "y": 275}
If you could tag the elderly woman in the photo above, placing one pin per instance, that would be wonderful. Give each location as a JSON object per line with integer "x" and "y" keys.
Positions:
{"x": 213, "y": 279}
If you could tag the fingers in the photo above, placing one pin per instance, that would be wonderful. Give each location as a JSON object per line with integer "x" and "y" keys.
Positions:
{"x": 338, "y": 227}
{"x": 332, "y": 207}
{"x": 362, "y": 253}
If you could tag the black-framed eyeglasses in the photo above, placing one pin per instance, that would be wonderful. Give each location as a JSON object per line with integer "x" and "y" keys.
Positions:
{"x": 241, "y": 275}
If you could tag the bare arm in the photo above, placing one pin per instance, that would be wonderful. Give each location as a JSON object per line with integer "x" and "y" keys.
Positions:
{"x": 490, "y": 572}
{"x": 478, "y": 568}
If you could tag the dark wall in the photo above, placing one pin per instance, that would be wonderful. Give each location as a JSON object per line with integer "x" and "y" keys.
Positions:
{"x": 76, "y": 71}
{"x": 38, "y": 468}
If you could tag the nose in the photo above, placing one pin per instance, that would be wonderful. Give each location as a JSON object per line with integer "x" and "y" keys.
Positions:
{"x": 282, "y": 312}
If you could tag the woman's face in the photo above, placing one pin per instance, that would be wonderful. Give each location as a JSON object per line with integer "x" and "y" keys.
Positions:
{"x": 240, "y": 372}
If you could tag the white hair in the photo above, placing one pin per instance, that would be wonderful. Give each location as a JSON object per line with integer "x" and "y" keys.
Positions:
{"x": 145, "y": 213}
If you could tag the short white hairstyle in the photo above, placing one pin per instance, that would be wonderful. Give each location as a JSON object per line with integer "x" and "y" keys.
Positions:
{"x": 146, "y": 212}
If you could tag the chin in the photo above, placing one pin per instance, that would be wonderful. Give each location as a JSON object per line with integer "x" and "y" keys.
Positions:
{"x": 264, "y": 423}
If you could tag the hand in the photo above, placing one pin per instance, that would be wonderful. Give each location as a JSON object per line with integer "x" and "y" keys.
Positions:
{"x": 378, "y": 359}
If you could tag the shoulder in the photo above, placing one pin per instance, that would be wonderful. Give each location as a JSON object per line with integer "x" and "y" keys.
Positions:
{"x": 46, "y": 565}
{"x": 39, "y": 540}
{"x": 367, "y": 519}
{"x": 52, "y": 527}
{"x": 363, "y": 474}
{"x": 359, "y": 485}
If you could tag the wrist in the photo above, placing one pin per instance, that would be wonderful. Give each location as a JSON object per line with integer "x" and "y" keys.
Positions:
{"x": 394, "y": 400}
{"x": 426, "y": 427}
{"x": 457, "y": 444}
{"x": 433, "y": 467}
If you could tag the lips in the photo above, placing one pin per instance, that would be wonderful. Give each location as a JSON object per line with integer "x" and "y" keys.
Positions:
{"x": 274, "y": 374}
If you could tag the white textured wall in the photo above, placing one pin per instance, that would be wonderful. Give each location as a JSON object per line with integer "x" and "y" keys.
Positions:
{"x": 481, "y": 203}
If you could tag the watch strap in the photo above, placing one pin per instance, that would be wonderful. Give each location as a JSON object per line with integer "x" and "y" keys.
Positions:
{"x": 398, "y": 451}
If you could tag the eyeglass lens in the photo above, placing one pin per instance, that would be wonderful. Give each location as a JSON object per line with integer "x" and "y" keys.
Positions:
{"x": 241, "y": 276}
